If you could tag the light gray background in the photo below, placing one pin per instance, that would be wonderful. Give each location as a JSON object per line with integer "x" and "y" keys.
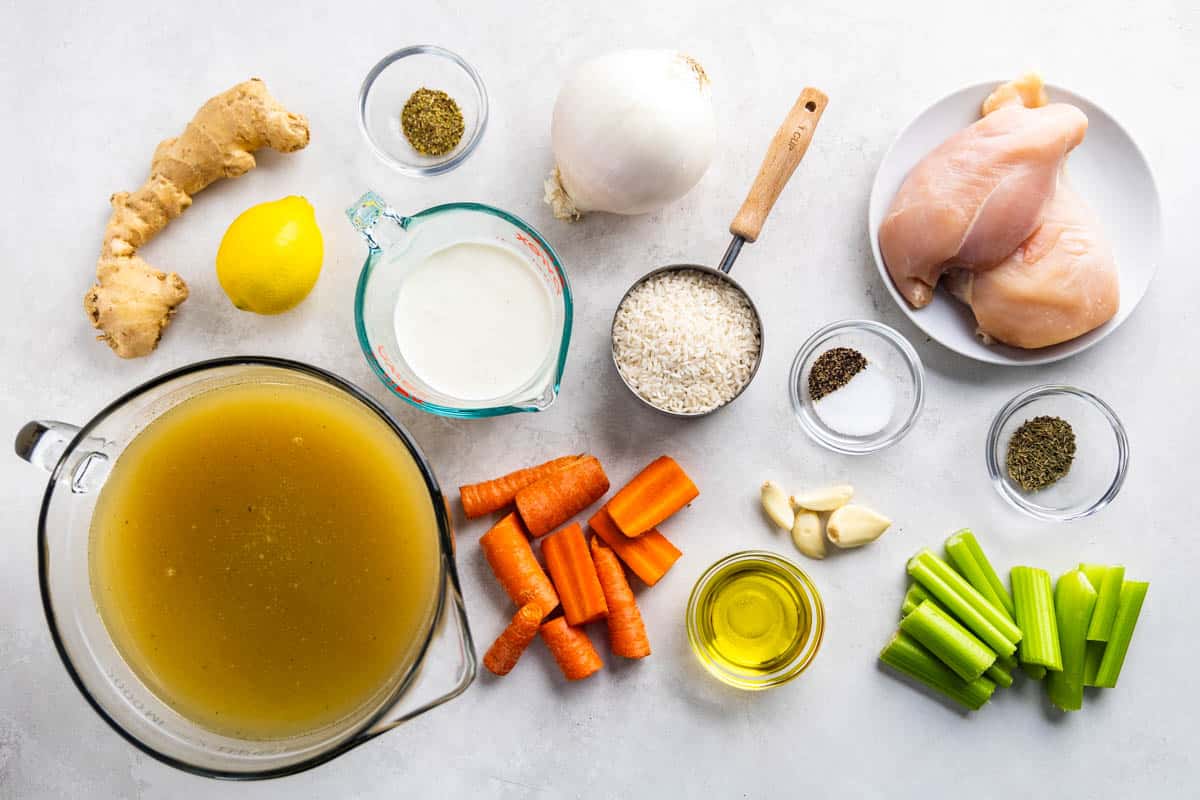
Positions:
{"x": 87, "y": 93}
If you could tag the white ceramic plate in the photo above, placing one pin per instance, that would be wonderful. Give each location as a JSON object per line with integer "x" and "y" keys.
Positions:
{"x": 1111, "y": 175}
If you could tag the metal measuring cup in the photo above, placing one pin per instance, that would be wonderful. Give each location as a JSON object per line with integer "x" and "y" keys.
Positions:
{"x": 787, "y": 148}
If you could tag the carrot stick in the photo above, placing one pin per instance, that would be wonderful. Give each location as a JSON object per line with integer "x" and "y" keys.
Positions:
{"x": 654, "y": 494}
{"x": 488, "y": 496}
{"x": 649, "y": 555}
{"x": 511, "y": 559}
{"x": 574, "y": 575}
{"x": 626, "y": 631}
{"x": 556, "y": 498}
{"x": 504, "y": 653}
{"x": 572, "y": 649}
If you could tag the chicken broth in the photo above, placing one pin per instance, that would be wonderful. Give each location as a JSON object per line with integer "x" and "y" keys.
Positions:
{"x": 265, "y": 557}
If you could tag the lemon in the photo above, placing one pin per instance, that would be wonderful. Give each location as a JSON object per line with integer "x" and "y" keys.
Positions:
{"x": 270, "y": 257}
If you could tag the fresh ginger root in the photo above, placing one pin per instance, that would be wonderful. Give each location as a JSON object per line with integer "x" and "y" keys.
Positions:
{"x": 132, "y": 302}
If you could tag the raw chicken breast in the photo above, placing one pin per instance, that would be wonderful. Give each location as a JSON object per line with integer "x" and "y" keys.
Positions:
{"x": 973, "y": 200}
{"x": 1060, "y": 283}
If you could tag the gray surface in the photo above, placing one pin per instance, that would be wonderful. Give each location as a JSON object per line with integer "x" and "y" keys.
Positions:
{"x": 88, "y": 93}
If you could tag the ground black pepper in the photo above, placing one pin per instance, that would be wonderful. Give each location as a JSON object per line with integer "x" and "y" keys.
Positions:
{"x": 432, "y": 122}
{"x": 1040, "y": 452}
{"x": 833, "y": 369}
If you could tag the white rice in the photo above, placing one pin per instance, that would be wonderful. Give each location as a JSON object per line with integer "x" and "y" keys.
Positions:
{"x": 686, "y": 341}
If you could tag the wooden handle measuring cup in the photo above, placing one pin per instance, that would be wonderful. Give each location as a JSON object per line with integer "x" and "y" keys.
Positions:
{"x": 783, "y": 156}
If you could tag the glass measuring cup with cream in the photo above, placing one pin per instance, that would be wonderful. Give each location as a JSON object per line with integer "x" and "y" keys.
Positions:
{"x": 462, "y": 309}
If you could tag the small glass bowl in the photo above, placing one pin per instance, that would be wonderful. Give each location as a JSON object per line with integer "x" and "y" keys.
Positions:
{"x": 1101, "y": 453}
{"x": 810, "y": 600}
{"x": 885, "y": 349}
{"x": 392, "y": 81}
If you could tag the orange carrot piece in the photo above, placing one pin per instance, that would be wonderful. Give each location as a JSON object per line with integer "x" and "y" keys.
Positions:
{"x": 515, "y": 566}
{"x": 488, "y": 496}
{"x": 504, "y": 653}
{"x": 556, "y": 498}
{"x": 572, "y": 649}
{"x": 656, "y": 493}
{"x": 626, "y": 630}
{"x": 574, "y": 575}
{"x": 649, "y": 555}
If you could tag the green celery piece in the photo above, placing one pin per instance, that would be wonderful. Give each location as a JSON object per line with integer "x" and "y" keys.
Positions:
{"x": 1034, "y": 672}
{"x": 906, "y": 656}
{"x": 913, "y": 598}
{"x": 942, "y": 635}
{"x": 958, "y": 597}
{"x": 968, "y": 558}
{"x": 1000, "y": 675}
{"x": 1074, "y": 601}
{"x": 1109, "y": 591}
{"x": 1034, "y": 602}
{"x": 1092, "y": 658}
{"x": 1133, "y": 594}
{"x": 1009, "y": 663}
{"x": 1095, "y": 574}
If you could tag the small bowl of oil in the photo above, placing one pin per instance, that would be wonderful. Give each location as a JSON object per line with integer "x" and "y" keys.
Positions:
{"x": 755, "y": 620}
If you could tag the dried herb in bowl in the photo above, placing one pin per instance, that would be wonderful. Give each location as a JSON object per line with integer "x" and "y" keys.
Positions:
{"x": 1040, "y": 452}
{"x": 432, "y": 122}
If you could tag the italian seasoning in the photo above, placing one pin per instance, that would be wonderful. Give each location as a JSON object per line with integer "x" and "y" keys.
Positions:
{"x": 432, "y": 122}
{"x": 1040, "y": 452}
{"x": 833, "y": 369}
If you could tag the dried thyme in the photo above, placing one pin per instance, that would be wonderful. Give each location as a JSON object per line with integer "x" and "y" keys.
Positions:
{"x": 833, "y": 369}
{"x": 432, "y": 122}
{"x": 1040, "y": 452}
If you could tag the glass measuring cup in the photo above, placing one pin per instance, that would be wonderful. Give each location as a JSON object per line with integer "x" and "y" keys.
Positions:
{"x": 398, "y": 244}
{"x": 441, "y": 663}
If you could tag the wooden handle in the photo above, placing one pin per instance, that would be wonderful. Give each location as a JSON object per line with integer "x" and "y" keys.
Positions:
{"x": 783, "y": 156}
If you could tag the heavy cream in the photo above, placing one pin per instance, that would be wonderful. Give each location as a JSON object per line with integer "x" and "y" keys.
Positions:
{"x": 475, "y": 321}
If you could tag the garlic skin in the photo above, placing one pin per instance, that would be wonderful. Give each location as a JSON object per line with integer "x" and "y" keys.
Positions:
{"x": 829, "y": 498}
{"x": 807, "y": 536}
{"x": 632, "y": 131}
{"x": 854, "y": 526}
{"x": 775, "y": 504}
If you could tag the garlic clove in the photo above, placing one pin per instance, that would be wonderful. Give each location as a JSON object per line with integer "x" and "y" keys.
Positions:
{"x": 827, "y": 499}
{"x": 854, "y": 526}
{"x": 806, "y": 534}
{"x": 775, "y": 503}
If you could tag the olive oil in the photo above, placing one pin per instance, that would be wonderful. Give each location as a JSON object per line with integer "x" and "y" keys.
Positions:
{"x": 265, "y": 557}
{"x": 755, "y": 620}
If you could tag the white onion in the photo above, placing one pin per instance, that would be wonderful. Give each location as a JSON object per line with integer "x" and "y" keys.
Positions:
{"x": 632, "y": 131}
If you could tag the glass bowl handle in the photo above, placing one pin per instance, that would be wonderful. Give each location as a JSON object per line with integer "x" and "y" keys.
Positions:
{"x": 43, "y": 442}
{"x": 446, "y": 670}
{"x": 46, "y": 443}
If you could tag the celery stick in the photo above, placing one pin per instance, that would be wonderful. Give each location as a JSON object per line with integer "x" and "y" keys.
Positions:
{"x": 913, "y": 598}
{"x": 967, "y": 557}
{"x": 1034, "y": 604}
{"x": 1034, "y": 672}
{"x": 1009, "y": 663}
{"x": 942, "y": 635}
{"x": 1095, "y": 574}
{"x": 904, "y": 655}
{"x": 1091, "y": 659}
{"x": 1074, "y": 601}
{"x": 1133, "y": 594}
{"x": 1109, "y": 591}
{"x": 967, "y": 605}
{"x": 999, "y": 675}
{"x": 992, "y": 613}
